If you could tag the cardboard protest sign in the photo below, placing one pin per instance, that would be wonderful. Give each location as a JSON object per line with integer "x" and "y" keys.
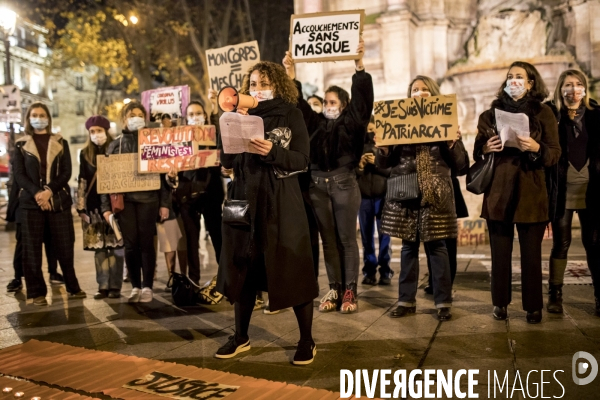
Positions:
{"x": 328, "y": 36}
{"x": 227, "y": 65}
{"x": 172, "y": 100}
{"x": 161, "y": 149}
{"x": 416, "y": 120}
{"x": 118, "y": 173}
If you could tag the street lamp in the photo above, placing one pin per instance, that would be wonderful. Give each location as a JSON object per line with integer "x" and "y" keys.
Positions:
{"x": 8, "y": 21}
{"x": 133, "y": 19}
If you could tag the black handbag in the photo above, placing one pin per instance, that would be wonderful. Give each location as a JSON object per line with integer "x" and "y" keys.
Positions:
{"x": 236, "y": 212}
{"x": 403, "y": 187}
{"x": 183, "y": 290}
{"x": 61, "y": 200}
{"x": 480, "y": 174}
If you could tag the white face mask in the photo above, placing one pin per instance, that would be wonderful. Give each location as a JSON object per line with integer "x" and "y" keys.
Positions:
{"x": 316, "y": 108}
{"x": 515, "y": 87}
{"x": 262, "y": 95}
{"x": 98, "y": 138}
{"x": 574, "y": 94}
{"x": 135, "y": 123}
{"x": 39, "y": 123}
{"x": 420, "y": 94}
{"x": 332, "y": 112}
{"x": 197, "y": 120}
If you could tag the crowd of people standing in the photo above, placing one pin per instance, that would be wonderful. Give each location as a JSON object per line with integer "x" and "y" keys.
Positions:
{"x": 318, "y": 169}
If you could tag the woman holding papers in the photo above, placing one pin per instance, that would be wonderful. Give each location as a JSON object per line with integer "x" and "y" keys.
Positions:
{"x": 429, "y": 218}
{"x": 575, "y": 182}
{"x": 336, "y": 145}
{"x": 517, "y": 194}
{"x": 267, "y": 247}
{"x": 138, "y": 218}
{"x": 109, "y": 261}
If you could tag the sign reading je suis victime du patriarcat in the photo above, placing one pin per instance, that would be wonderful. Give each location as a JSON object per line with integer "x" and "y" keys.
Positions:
{"x": 416, "y": 120}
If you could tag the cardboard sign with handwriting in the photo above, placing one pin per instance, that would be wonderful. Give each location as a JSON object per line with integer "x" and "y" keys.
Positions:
{"x": 118, "y": 173}
{"x": 416, "y": 120}
{"x": 228, "y": 65}
{"x": 161, "y": 149}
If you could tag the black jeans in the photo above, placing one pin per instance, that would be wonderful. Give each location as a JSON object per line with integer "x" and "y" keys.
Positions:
{"x": 590, "y": 237}
{"x": 451, "y": 246}
{"x": 211, "y": 209}
{"x": 501, "y": 242}
{"x": 138, "y": 225}
{"x": 34, "y": 224}
{"x": 336, "y": 201}
{"x": 409, "y": 273}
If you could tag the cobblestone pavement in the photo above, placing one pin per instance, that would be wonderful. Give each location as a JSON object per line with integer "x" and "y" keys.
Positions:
{"x": 366, "y": 340}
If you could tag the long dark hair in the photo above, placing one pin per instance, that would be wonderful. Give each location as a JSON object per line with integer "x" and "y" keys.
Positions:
{"x": 538, "y": 90}
{"x": 28, "y": 128}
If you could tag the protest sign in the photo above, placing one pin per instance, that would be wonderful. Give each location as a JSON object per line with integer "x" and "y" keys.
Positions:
{"x": 416, "y": 120}
{"x": 172, "y": 100}
{"x": 328, "y": 36}
{"x": 228, "y": 65}
{"x": 118, "y": 173}
{"x": 160, "y": 149}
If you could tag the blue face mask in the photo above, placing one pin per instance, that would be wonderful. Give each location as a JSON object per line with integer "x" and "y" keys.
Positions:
{"x": 39, "y": 123}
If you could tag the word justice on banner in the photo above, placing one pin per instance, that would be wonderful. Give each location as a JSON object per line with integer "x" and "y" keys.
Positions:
{"x": 118, "y": 173}
{"x": 416, "y": 120}
{"x": 162, "y": 149}
{"x": 228, "y": 65}
{"x": 328, "y": 36}
{"x": 172, "y": 100}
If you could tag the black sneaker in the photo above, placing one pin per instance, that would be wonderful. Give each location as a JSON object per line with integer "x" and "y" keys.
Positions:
{"x": 306, "y": 352}
{"x": 369, "y": 280}
{"x": 101, "y": 294}
{"x": 385, "y": 280}
{"x": 14, "y": 286}
{"x": 56, "y": 279}
{"x": 232, "y": 348}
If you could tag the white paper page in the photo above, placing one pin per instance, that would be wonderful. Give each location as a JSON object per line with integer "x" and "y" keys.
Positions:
{"x": 238, "y": 129}
{"x": 511, "y": 125}
{"x": 115, "y": 227}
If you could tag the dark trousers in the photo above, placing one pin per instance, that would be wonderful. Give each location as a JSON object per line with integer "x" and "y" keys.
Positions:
{"x": 409, "y": 273}
{"x": 501, "y": 243}
{"x": 451, "y": 246}
{"x": 336, "y": 201}
{"x": 590, "y": 237}
{"x": 138, "y": 226}
{"x": 18, "y": 255}
{"x": 369, "y": 216}
{"x": 211, "y": 209}
{"x": 34, "y": 223}
{"x": 313, "y": 228}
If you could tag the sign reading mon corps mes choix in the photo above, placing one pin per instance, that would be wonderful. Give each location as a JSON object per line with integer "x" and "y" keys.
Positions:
{"x": 228, "y": 65}
{"x": 161, "y": 149}
{"x": 330, "y": 36}
{"x": 416, "y": 120}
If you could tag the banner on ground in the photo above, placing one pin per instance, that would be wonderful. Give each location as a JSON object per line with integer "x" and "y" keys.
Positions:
{"x": 416, "y": 120}
{"x": 172, "y": 100}
{"x": 161, "y": 149}
{"x": 118, "y": 173}
{"x": 327, "y": 36}
{"x": 227, "y": 65}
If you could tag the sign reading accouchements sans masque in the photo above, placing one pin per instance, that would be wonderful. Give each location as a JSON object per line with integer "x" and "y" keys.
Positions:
{"x": 329, "y": 36}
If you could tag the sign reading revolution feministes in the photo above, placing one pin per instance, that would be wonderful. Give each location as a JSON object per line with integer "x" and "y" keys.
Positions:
{"x": 118, "y": 173}
{"x": 416, "y": 120}
{"x": 228, "y": 65}
{"x": 328, "y": 36}
{"x": 161, "y": 149}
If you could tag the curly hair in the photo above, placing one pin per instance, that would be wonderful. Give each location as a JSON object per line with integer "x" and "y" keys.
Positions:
{"x": 538, "y": 90}
{"x": 283, "y": 86}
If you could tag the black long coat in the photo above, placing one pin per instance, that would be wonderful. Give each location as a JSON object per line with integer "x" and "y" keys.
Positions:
{"x": 275, "y": 251}
{"x": 556, "y": 175}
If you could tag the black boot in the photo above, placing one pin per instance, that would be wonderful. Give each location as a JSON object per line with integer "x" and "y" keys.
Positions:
{"x": 555, "y": 299}
{"x": 534, "y": 317}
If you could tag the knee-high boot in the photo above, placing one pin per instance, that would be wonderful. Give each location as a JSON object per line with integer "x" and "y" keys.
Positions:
{"x": 555, "y": 284}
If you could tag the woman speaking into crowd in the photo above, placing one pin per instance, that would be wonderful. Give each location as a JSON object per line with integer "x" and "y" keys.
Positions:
{"x": 336, "y": 146}
{"x": 271, "y": 252}
{"x": 517, "y": 193}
